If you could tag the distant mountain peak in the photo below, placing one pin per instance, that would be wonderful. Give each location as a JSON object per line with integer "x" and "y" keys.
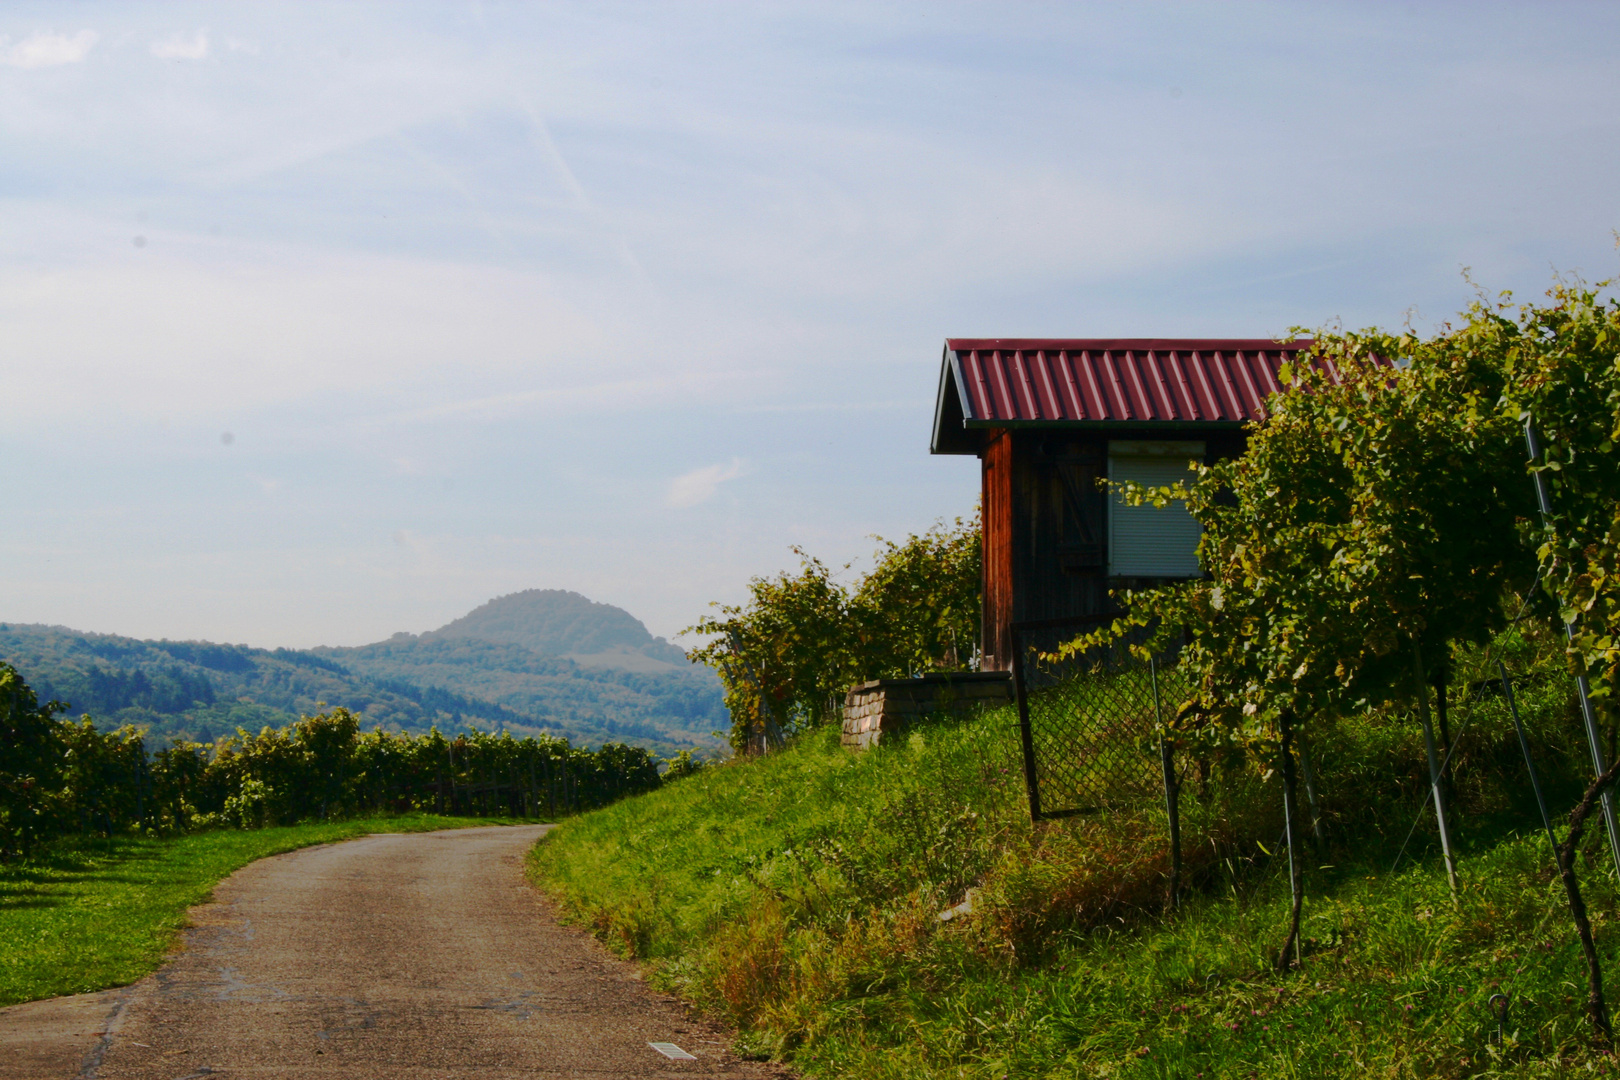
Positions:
{"x": 557, "y": 622}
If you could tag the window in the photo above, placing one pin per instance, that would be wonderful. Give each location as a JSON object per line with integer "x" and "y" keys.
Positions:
{"x": 1146, "y": 541}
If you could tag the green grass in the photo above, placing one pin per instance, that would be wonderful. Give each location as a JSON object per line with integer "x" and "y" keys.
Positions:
{"x": 797, "y": 897}
{"x": 90, "y": 915}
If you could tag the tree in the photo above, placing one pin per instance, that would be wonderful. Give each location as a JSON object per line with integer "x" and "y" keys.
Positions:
{"x": 918, "y": 608}
{"x": 784, "y": 656}
{"x": 788, "y": 655}
{"x": 30, "y": 761}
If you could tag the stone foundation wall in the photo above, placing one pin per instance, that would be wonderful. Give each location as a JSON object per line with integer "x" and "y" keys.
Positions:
{"x": 884, "y": 707}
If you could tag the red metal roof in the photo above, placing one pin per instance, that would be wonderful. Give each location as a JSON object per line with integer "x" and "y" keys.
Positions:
{"x": 1058, "y": 382}
{"x": 1128, "y": 380}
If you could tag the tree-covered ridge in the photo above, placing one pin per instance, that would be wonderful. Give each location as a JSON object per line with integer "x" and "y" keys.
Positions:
{"x": 202, "y": 690}
{"x": 550, "y": 690}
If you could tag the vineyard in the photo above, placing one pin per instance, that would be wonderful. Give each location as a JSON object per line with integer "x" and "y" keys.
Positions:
{"x": 61, "y": 777}
{"x": 1361, "y": 828}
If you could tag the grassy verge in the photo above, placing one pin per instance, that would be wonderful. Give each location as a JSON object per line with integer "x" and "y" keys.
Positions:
{"x": 86, "y": 916}
{"x": 799, "y": 897}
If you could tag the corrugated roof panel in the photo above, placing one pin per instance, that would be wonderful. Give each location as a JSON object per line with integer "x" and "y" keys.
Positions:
{"x": 1073, "y": 406}
{"x": 1099, "y": 403}
{"x": 1195, "y": 411}
{"x": 1145, "y": 380}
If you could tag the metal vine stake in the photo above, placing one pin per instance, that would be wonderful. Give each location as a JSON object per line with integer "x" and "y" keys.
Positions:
{"x": 1583, "y": 690}
{"x": 1434, "y": 767}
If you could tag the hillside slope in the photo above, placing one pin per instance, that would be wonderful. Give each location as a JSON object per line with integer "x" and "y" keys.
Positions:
{"x": 895, "y": 914}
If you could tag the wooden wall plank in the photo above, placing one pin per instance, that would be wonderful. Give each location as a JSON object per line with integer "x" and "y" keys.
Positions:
{"x": 996, "y": 513}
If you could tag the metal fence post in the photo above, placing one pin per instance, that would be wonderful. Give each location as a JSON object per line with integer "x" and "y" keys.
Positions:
{"x": 1025, "y": 734}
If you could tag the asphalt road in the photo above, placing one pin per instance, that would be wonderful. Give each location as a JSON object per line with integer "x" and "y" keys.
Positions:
{"x": 399, "y": 957}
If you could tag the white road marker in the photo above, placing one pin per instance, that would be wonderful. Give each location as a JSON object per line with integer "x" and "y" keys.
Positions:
{"x": 671, "y": 1051}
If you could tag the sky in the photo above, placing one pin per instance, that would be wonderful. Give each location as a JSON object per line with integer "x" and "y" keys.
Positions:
{"x": 320, "y": 322}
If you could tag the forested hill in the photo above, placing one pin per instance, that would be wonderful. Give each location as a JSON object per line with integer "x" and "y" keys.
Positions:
{"x": 553, "y": 622}
{"x": 201, "y": 690}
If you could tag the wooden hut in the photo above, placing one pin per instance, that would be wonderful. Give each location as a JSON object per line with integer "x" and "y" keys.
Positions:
{"x": 1048, "y": 418}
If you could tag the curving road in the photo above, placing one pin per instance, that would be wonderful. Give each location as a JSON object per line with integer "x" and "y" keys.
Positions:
{"x": 400, "y": 957}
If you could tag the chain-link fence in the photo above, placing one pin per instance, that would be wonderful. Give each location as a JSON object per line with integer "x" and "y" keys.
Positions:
{"x": 1089, "y": 725}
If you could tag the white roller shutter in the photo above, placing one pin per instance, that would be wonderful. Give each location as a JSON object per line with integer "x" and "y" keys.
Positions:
{"x": 1146, "y": 541}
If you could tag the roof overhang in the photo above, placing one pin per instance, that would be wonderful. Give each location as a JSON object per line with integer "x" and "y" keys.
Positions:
{"x": 952, "y": 413}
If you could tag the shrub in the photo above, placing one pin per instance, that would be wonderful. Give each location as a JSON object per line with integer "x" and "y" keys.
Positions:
{"x": 787, "y": 656}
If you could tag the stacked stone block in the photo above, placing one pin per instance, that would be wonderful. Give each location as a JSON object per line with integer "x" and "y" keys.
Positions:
{"x": 883, "y": 707}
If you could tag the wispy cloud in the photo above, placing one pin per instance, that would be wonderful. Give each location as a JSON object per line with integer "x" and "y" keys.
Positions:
{"x": 180, "y": 47}
{"x": 47, "y": 49}
{"x": 699, "y": 485}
